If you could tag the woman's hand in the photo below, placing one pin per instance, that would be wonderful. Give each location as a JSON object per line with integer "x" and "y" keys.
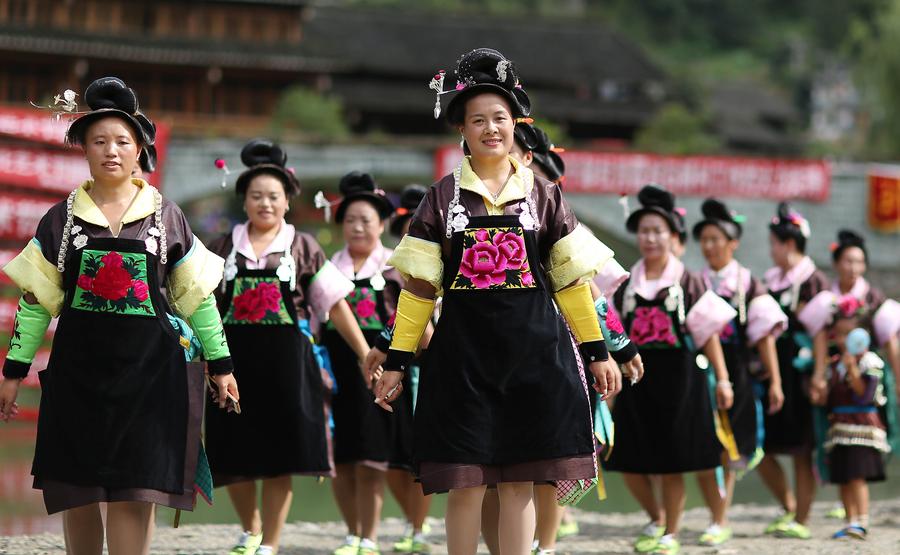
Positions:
{"x": 634, "y": 369}
{"x": 9, "y": 390}
{"x": 724, "y": 395}
{"x": 818, "y": 390}
{"x": 776, "y": 398}
{"x": 226, "y": 384}
{"x": 371, "y": 366}
{"x": 607, "y": 378}
{"x": 388, "y": 388}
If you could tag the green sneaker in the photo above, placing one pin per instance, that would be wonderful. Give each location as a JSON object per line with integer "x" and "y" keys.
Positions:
{"x": 350, "y": 547}
{"x": 567, "y": 530}
{"x": 837, "y": 513}
{"x": 247, "y": 544}
{"x": 667, "y": 545}
{"x": 420, "y": 546}
{"x": 649, "y": 538}
{"x": 368, "y": 547}
{"x": 779, "y": 523}
{"x": 794, "y": 530}
{"x": 404, "y": 545}
{"x": 715, "y": 535}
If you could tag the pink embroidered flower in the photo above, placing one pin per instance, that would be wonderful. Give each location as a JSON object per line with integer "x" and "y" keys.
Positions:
{"x": 112, "y": 259}
{"x": 612, "y": 321}
{"x": 270, "y": 296}
{"x": 727, "y": 332}
{"x": 483, "y": 264}
{"x": 85, "y": 282}
{"x": 652, "y": 325}
{"x": 141, "y": 291}
{"x": 849, "y": 305}
{"x": 364, "y": 290}
{"x": 365, "y": 308}
{"x": 482, "y": 235}
{"x": 248, "y": 306}
{"x": 112, "y": 282}
{"x": 527, "y": 278}
{"x": 511, "y": 247}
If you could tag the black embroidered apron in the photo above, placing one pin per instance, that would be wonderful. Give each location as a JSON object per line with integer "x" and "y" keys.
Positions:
{"x": 114, "y": 397}
{"x": 790, "y": 430}
{"x": 664, "y": 423}
{"x": 363, "y": 432}
{"x": 742, "y": 415}
{"x": 499, "y": 383}
{"x": 281, "y": 429}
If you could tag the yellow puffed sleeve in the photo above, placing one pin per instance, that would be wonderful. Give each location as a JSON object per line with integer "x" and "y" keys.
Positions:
{"x": 578, "y": 255}
{"x": 36, "y": 275}
{"x": 419, "y": 259}
{"x": 193, "y": 278}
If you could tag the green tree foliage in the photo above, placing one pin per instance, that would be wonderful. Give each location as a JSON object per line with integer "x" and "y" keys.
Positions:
{"x": 303, "y": 110}
{"x": 675, "y": 130}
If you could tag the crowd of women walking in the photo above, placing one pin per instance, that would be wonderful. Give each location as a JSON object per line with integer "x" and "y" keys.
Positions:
{"x": 500, "y": 354}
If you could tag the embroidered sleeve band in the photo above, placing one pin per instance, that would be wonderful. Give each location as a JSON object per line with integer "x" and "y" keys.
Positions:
{"x": 617, "y": 341}
{"x": 413, "y": 314}
{"x": 577, "y": 255}
{"x": 419, "y": 259}
{"x": 36, "y": 275}
{"x": 207, "y": 324}
{"x": 193, "y": 278}
{"x": 326, "y": 288}
{"x": 30, "y": 326}
{"x": 577, "y": 306}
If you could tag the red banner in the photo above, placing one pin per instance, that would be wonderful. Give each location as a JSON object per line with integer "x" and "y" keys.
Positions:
{"x": 33, "y": 124}
{"x": 5, "y": 256}
{"x": 20, "y": 214}
{"x": 884, "y": 201}
{"x": 699, "y": 176}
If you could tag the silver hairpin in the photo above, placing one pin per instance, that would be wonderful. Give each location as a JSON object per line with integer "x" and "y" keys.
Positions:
{"x": 437, "y": 85}
{"x": 62, "y": 104}
{"x": 324, "y": 204}
{"x": 502, "y": 66}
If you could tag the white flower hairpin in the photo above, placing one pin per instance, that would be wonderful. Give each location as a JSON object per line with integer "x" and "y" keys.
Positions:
{"x": 63, "y": 104}
{"x": 324, "y": 204}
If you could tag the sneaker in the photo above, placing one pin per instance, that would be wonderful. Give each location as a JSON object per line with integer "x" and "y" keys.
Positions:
{"x": 567, "y": 530}
{"x": 779, "y": 523}
{"x": 368, "y": 547}
{"x": 404, "y": 545}
{"x": 856, "y": 531}
{"x": 540, "y": 551}
{"x": 350, "y": 546}
{"x": 837, "y": 513}
{"x": 667, "y": 545}
{"x": 795, "y": 530}
{"x": 247, "y": 544}
{"x": 649, "y": 537}
{"x": 265, "y": 550}
{"x": 420, "y": 545}
{"x": 715, "y": 535}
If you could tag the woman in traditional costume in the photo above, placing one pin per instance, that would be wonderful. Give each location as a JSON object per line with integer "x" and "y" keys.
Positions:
{"x": 276, "y": 280}
{"x": 120, "y": 409}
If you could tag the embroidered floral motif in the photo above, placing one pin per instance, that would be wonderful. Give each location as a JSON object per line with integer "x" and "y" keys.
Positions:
{"x": 729, "y": 333}
{"x": 848, "y": 305}
{"x": 363, "y": 302}
{"x": 613, "y": 323}
{"x": 652, "y": 327}
{"x": 494, "y": 258}
{"x": 109, "y": 281}
{"x": 257, "y": 300}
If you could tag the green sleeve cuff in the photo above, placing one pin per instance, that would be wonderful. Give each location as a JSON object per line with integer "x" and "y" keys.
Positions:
{"x": 207, "y": 325}
{"x": 31, "y": 323}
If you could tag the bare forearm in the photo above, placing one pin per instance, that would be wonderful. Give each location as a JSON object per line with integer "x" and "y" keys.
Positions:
{"x": 346, "y": 325}
{"x": 713, "y": 352}
{"x": 820, "y": 354}
{"x": 769, "y": 357}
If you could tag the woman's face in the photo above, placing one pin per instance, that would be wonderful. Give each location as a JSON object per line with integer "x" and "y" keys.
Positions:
{"x": 265, "y": 202}
{"x": 654, "y": 237}
{"x": 851, "y": 265}
{"x": 362, "y": 227}
{"x": 111, "y": 150}
{"x": 718, "y": 249}
{"x": 488, "y": 126}
{"x": 779, "y": 250}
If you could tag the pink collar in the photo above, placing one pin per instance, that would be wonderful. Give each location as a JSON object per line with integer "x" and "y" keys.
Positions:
{"x": 240, "y": 238}
{"x": 859, "y": 290}
{"x": 671, "y": 275}
{"x": 778, "y": 280}
{"x": 375, "y": 264}
{"x": 727, "y": 278}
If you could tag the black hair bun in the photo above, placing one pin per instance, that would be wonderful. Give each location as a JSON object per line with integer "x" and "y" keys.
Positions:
{"x": 850, "y": 238}
{"x": 263, "y": 151}
{"x": 480, "y": 66}
{"x": 655, "y": 196}
{"x": 357, "y": 182}
{"x": 784, "y": 211}
{"x": 714, "y": 209}
{"x": 412, "y": 196}
{"x": 111, "y": 93}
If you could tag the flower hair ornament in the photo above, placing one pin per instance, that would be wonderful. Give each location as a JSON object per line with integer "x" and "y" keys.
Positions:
{"x": 437, "y": 85}
{"x": 63, "y": 105}
{"x": 322, "y": 203}
{"x": 221, "y": 165}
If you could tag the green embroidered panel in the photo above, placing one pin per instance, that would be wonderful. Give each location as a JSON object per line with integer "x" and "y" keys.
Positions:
{"x": 257, "y": 300}
{"x": 109, "y": 281}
